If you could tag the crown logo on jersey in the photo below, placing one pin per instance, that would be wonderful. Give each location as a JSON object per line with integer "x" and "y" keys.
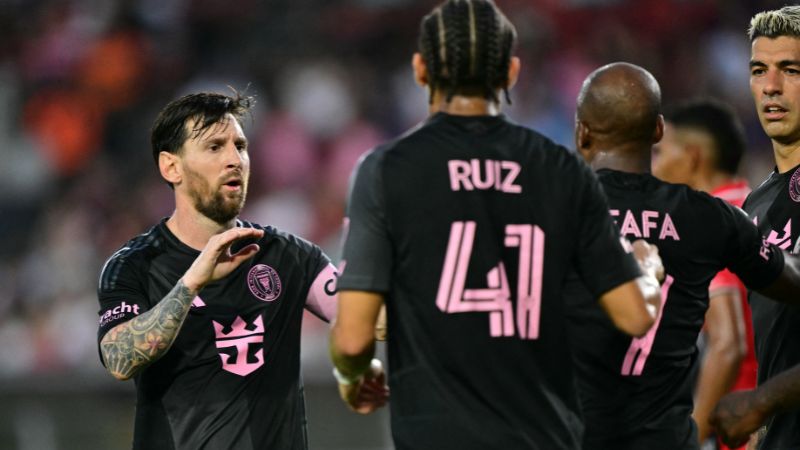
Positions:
{"x": 264, "y": 282}
{"x": 240, "y": 337}
{"x": 239, "y": 328}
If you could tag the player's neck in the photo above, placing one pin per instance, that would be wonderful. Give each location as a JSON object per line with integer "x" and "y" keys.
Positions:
{"x": 787, "y": 156}
{"x": 461, "y": 105}
{"x": 193, "y": 228}
{"x": 623, "y": 161}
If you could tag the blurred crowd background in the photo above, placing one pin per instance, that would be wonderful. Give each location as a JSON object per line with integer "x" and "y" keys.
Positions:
{"x": 81, "y": 82}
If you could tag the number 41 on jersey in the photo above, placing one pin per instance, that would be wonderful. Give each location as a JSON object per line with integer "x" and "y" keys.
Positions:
{"x": 454, "y": 297}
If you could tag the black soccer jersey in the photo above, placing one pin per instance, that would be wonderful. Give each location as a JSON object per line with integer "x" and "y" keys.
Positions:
{"x": 637, "y": 393}
{"x": 775, "y": 208}
{"x": 231, "y": 380}
{"x": 469, "y": 226}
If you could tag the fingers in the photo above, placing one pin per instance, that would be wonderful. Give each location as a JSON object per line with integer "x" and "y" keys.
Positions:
{"x": 245, "y": 253}
{"x": 228, "y": 237}
{"x": 215, "y": 261}
{"x": 647, "y": 257}
{"x": 370, "y": 393}
{"x": 370, "y": 396}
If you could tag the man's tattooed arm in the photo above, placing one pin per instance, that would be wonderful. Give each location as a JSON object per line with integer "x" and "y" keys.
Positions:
{"x": 133, "y": 345}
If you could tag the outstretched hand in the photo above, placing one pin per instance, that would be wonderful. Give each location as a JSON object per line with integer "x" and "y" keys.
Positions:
{"x": 736, "y": 416}
{"x": 369, "y": 393}
{"x": 216, "y": 260}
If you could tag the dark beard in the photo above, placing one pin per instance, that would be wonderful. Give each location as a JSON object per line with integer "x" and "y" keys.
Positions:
{"x": 217, "y": 209}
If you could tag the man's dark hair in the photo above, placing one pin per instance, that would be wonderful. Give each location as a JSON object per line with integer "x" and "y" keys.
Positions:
{"x": 717, "y": 120}
{"x": 466, "y": 46}
{"x": 169, "y": 130}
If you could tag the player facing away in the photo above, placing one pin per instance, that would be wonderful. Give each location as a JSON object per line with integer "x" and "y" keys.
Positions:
{"x": 702, "y": 146}
{"x": 466, "y": 227}
{"x": 203, "y": 310}
{"x": 775, "y": 207}
{"x": 637, "y": 393}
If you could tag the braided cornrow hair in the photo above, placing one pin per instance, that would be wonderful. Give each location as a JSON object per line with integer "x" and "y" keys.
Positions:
{"x": 467, "y": 45}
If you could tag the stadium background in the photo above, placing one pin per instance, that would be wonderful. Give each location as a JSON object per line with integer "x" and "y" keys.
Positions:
{"x": 82, "y": 80}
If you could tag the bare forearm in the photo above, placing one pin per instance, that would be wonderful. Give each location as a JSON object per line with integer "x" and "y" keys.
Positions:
{"x": 780, "y": 393}
{"x": 785, "y": 288}
{"x": 717, "y": 375}
{"x": 350, "y": 361}
{"x": 352, "y": 344}
{"x": 131, "y": 346}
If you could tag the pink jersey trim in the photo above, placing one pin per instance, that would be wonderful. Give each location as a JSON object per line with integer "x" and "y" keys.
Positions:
{"x": 322, "y": 295}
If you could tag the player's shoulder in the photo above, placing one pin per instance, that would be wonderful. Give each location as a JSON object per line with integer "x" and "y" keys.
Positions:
{"x": 133, "y": 257}
{"x": 773, "y": 183}
{"x": 697, "y": 201}
{"x": 703, "y": 208}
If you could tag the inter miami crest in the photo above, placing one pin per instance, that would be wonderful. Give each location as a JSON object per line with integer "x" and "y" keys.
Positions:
{"x": 794, "y": 186}
{"x": 264, "y": 282}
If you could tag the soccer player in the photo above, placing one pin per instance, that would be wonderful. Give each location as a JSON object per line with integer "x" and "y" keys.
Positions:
{"x": 204, "y": 309}
{"x": 775, "y": 207}
{"x": 702, "y": 146}
{"x": 637, "y": 394}
{"x": 466, "y": 226}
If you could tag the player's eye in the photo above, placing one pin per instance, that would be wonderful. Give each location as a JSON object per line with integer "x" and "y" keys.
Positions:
{"x": 757, "y": 71}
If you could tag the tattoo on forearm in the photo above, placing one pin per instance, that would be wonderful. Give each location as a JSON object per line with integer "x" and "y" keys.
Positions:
{"x": 132, "y": 345}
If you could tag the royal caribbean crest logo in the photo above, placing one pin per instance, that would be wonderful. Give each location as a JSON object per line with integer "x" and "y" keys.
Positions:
{"x": 794, "y": 186}
{"x": 238, "y": 339}
{"x": 264, "y": 282}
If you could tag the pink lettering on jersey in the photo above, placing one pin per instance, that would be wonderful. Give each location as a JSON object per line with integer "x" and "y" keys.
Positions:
{"x": 118, "y": 312}
{"x": 490, "y": 175}
{"x": 198, "y": 302}
{"x": 648, "y": 222}
{"x": 765, "y": 252}
{"x": 668, "y": 229}
{"x": 640, "y": 348}
{"x": 241, "y": 337}
{"x": 530, "y": 241}
{"x": 629, "y": 226}
{"x": 652, "y": 225}
{"x": 453, "y": 297}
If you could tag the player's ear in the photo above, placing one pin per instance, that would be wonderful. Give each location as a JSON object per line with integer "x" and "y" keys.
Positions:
{"x": 513, "y": 72}
{"x": 582, "y": 135}
{"x": 694, "y": 157}
{"x": 420, "y": 69}
{"x": 583, "y": 140}
{"x": 169, "y": 166}
{"x": 659, "y": 131}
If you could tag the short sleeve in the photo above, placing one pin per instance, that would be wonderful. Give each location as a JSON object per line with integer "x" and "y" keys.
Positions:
{"x": 724, "y": 281}
{"x": 321, "y": 297}
{"x": 119, "y": 292}
{"x": 601, "y": 261}
{"x": 367, "y": 253}
{"x": 748, "y": 255}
